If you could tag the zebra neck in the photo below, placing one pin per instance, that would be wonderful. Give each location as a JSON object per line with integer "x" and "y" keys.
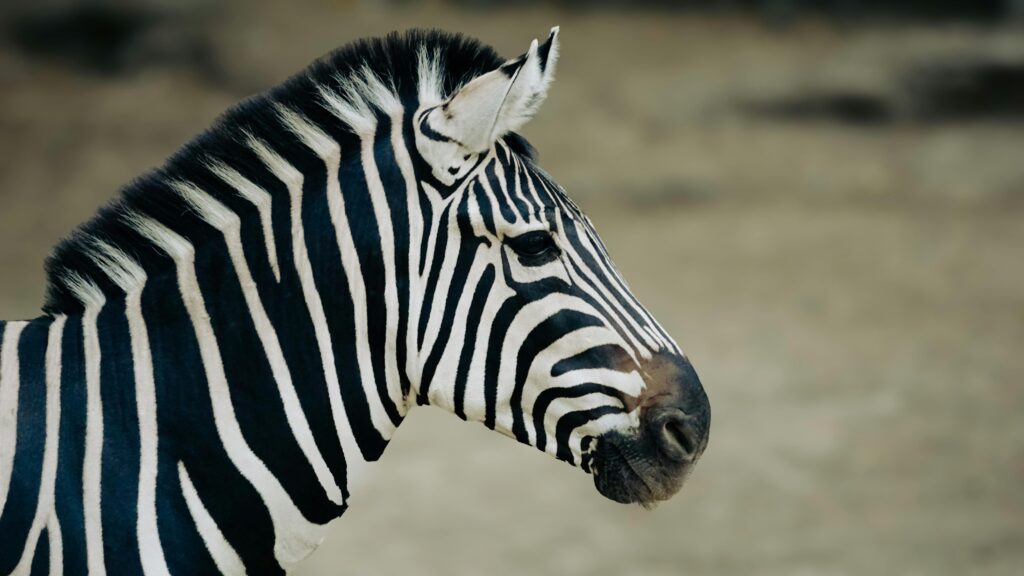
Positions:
{"x": 263, "y": 353}
{"x": 157, "y": 407}
{"x": 281, "y": 343}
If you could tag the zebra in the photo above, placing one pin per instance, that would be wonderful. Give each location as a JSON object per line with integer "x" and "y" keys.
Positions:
{"x": 227, "y": 346}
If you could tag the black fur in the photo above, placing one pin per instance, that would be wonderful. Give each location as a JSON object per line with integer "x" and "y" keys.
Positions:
{"x": 393, "y": 58}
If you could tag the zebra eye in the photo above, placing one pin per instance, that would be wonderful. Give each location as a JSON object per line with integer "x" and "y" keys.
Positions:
{"x": 536, "y": 247}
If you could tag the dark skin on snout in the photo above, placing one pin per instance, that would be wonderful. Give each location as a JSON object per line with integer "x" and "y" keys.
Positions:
{"x": 650, "y": 464}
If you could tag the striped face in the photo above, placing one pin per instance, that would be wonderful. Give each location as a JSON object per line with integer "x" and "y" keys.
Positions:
{"x": 545, "y": 342}
{"x": 527, "y": 325}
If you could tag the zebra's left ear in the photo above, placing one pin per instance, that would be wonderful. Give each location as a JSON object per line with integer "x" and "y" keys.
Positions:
{"x": 487, "y": 108}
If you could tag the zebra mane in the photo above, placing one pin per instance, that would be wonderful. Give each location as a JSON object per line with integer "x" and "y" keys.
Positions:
{"x": 344, "y": 94}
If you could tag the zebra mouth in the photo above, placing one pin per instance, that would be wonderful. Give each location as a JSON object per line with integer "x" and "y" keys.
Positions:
{"x": 628, "y": 468}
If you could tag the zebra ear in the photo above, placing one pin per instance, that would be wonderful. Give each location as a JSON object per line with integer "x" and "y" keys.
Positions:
{"x": 488, "y": 107}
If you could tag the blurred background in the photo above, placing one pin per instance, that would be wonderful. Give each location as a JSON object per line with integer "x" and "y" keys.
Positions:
{"x": 822, "y": 201}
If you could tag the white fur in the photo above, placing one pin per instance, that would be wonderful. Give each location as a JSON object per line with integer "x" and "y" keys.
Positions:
{"x": 85, "y": 291}
{"x": 93, "y": 459}
{"x": 357, "y": 96}
{"x": 430, "y": 81}
{"x": 118, "y": 266}
{"x": 56, "y": 546}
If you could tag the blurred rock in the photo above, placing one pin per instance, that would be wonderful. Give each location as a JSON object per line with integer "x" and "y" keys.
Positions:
{"x": 957, "y": 90}
{"x": 968, "y": 89}
{"x": 111, "y": 37}
{"x": 844, "y": 107}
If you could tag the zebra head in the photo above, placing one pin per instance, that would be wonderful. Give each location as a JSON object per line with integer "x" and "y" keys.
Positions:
{"x": 526, "y": 324}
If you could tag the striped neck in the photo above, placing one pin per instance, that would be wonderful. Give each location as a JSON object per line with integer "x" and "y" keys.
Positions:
{"x": 262, "y": 350}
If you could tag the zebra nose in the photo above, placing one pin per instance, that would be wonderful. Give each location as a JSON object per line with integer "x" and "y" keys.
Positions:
{"x": 676, "y": 413}
{"x": 678, "y": 435}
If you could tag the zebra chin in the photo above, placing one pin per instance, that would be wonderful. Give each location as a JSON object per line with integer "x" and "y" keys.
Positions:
{"x": 630, "y": 469}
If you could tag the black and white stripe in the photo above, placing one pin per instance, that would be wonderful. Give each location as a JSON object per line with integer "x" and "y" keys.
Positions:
{"x": 228, "y": 346}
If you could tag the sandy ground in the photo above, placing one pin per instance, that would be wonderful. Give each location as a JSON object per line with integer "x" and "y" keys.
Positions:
{"x": 852, "y": 295}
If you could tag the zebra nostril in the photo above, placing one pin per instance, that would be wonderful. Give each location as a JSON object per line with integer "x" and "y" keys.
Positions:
{"x": 674, "y": 432}
{"x": 676, "y": 435}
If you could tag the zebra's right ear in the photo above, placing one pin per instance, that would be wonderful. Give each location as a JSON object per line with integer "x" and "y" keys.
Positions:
{"x": 450, "y": 135}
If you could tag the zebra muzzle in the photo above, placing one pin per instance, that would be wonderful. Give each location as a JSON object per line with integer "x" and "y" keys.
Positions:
{"x": 650, "y": 463}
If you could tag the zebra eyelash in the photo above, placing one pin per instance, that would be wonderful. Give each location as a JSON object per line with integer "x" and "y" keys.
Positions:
{"x": 534, "y": 248}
